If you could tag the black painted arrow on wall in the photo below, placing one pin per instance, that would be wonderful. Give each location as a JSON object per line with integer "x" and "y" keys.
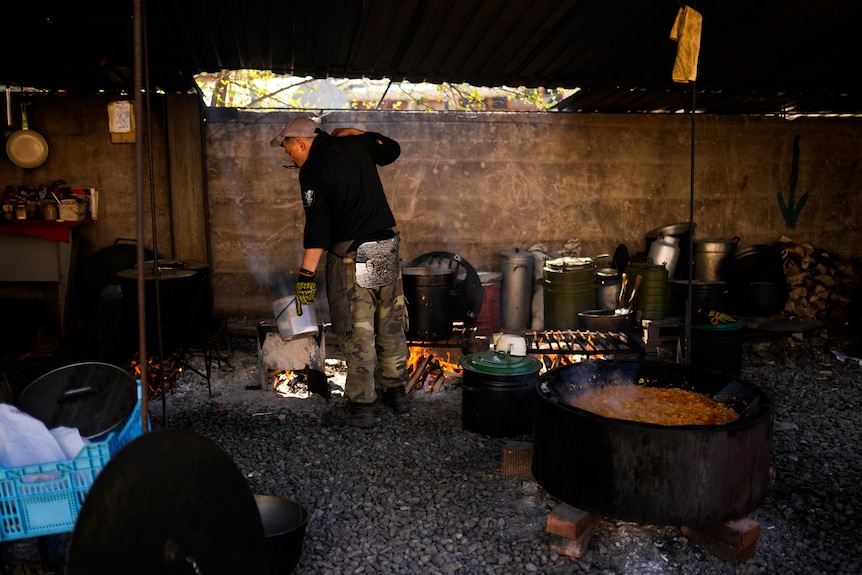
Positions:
{"x": 791, "y": 209}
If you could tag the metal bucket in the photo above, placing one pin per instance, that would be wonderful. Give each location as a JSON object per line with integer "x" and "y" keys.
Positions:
{"x": 569, "y": 287}
{"x": 713, "y": 259}
{"x": 516, "y": 293}
{"x": 290, "y": 324}
{"x": 488, "y": 320}
{"x": 608, "y": 284}
{"x": 430, "y": 302}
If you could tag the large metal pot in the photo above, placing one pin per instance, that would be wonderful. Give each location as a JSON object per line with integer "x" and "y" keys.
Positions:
{"x": 177, "y": 292}
{"x": 92, "y": 397}
{"x": 429, "y": 292}
{"x": 647, "y": 473}
{"x": 713, "y": 259}
{"x": 758, "y": 285}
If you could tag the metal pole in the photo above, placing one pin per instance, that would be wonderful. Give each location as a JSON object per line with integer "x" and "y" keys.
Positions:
{"x": 687, "y": 355}
{"x": 138, "y": 36}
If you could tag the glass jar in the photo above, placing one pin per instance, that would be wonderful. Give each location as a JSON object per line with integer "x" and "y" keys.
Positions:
{"x": 49, "y": 212}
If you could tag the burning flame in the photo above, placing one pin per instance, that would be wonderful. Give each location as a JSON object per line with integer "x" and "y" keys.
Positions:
{"x": 288, "y": 383}
{"x": 429, "y": 372}
{"x": 161, "y": 375}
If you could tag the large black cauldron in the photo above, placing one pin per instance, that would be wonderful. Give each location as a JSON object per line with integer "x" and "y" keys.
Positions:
{"x": 646, "y": 473}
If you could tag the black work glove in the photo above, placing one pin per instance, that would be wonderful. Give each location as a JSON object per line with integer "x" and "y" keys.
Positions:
{"x": 306, "y": 289}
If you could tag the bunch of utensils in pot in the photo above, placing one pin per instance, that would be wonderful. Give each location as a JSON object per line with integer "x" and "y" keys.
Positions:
{"x": 624, "y": 307}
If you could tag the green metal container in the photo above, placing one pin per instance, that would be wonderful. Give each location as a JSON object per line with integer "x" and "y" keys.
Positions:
{"x": 651, "y": 299}
{"x": 569, "y": 288}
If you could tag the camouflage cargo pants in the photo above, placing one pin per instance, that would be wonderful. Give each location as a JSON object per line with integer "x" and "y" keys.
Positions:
{"x": 375, "y": 350}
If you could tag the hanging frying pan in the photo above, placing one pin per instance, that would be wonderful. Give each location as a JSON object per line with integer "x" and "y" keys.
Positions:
{"x": 26, "y": 148}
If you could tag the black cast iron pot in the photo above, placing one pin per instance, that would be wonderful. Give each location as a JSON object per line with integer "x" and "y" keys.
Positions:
{"x": 647, "y": 473}
{"x": 498, "y": 393}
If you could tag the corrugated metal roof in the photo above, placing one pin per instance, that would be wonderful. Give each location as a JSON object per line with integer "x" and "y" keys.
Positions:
{"x": 766, "y": 56}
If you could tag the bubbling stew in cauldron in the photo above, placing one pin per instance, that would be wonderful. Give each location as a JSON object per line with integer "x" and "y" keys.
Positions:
{"x": 657, "y": 405}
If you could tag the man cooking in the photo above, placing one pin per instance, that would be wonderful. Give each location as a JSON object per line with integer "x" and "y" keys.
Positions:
{"x": 347, "y": 216}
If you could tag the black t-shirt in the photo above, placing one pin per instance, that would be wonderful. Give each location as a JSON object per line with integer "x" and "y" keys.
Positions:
{"x": 341, "y": 190}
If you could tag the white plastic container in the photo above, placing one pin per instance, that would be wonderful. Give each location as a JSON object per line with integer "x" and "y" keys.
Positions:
{"x": 289, "y": 324}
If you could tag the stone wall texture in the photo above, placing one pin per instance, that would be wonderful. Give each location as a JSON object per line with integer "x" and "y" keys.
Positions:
{"x": 472, "y": 184}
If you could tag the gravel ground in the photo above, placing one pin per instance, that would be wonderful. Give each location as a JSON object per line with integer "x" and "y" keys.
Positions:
{"x": 419, "y": 494}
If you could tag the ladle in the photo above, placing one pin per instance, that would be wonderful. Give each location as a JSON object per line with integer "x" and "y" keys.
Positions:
{"x": 638, "y": 281}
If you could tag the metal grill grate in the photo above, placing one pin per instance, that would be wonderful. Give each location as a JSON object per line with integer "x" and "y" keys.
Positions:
{"x": 583, "y": 342}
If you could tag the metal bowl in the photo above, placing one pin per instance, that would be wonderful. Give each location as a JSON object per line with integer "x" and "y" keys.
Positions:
{"x": 605, "y": 319}
{"x": 284, "y": 523}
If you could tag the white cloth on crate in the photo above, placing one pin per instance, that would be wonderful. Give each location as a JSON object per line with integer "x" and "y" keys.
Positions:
{"x": 25, "y": 440}
{"x": 686, "y": 32}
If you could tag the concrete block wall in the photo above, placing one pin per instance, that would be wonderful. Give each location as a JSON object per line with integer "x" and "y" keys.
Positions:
{"x": 478, "y": 184}
{"x": 470, "y": 184}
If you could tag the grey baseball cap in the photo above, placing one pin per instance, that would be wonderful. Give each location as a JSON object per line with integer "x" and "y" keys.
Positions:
{"x": 301, "y": 127}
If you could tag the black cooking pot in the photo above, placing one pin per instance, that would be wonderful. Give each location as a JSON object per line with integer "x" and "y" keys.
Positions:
{"x": 497, "y": 393}
{"x": 647, "y": 473}
{"x": 429, "y": 295}
{"x": 757, "y": 284}
{"x": 178, "y": 294}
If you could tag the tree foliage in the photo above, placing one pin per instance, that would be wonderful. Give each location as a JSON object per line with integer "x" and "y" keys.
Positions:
{"x": 266, "y": 90}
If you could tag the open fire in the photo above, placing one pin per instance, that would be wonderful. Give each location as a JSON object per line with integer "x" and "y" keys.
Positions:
{"x": 161, "y": 375}
{"x": 430, "y": 372}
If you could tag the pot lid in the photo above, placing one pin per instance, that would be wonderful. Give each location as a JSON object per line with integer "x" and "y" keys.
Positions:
{"x": 159, "y": 506}
{"x": 567, "y": 262}
{"x": 720, "y": 326}
{"x": 517, "y": 255}
{"x": 498, "y": 363}
{"x": 165, "y": 273}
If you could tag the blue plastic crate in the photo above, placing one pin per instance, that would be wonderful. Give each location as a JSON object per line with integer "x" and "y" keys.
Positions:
{"x": 45, "y": 499}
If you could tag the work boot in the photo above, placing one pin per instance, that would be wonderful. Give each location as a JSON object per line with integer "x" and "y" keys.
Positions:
{"x": 396, "y": 399}
{"x": 350, "y": 413}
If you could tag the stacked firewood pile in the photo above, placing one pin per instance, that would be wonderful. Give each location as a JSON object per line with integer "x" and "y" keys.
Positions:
{"x": 432, "y": 374}
{"x": 821, "y": 284}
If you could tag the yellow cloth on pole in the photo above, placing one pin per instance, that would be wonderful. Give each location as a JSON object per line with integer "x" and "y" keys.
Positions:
{"x": 686, "y": 32}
